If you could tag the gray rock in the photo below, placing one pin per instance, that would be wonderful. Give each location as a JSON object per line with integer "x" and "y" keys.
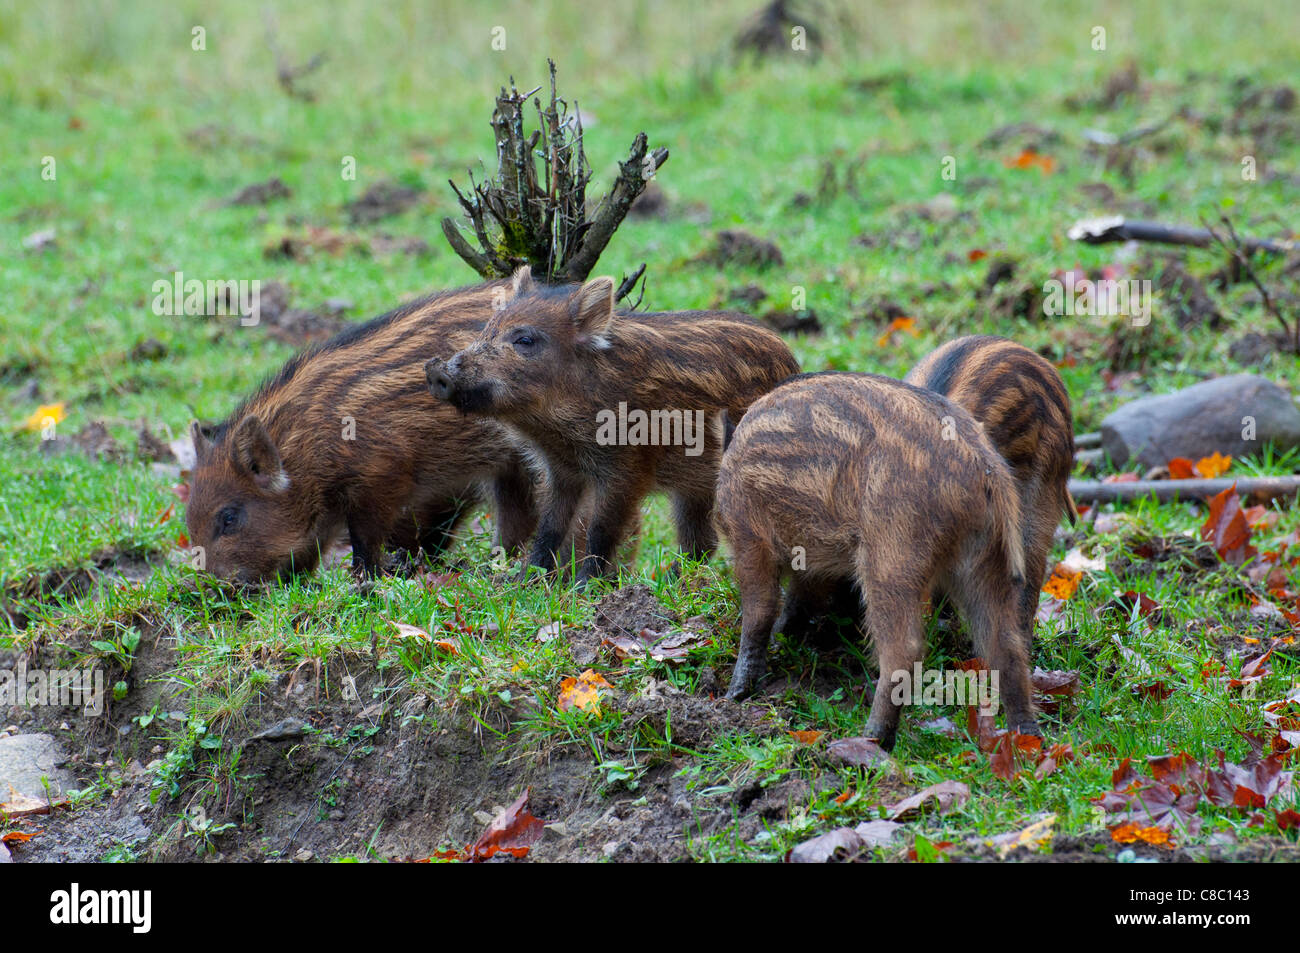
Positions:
{"x": 26, "y": 759}
{"x": 1202, "y": 419}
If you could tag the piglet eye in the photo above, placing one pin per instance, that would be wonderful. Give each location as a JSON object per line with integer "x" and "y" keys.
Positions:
{"x": 524, "y": 340}
{"x": 227, "y": 520}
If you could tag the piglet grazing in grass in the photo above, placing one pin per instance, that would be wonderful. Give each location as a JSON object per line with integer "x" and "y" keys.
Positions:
{"x": 833, "y": 474}
{"x": 613, "y": 405}
{"x": 346, "y": 439}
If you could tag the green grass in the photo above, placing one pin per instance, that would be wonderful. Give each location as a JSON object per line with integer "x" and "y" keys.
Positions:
{"x": 149, "y": 136}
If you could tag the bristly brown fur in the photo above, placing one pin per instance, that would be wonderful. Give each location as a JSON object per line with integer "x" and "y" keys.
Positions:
{"x": 1022, "y": 402}
{"x": 833, "y": 474}
{"x": 347, "y": 437}
{"x": 553, "y": 360}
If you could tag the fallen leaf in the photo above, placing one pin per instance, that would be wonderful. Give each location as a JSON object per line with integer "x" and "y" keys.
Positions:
{"x": 672, "y": 647}
{"x": 44, "y": 416}
{"x": 1216, "y": 464}
{"x": 806, "y": 737}
{"x": 22, "y": 837}
{"x": 1063, "y": 583}
{"x": 1032, "y": 837}
{"x": 548, "y": 632}
{"x": 862, "y": 752}
{"x": 946, "y": 796}
{"x": 405, "y": 631}
{"x": 1029, "y": 159}
{"x": 1226, "y": 528}
{"x": 907, "y": 325}
{"x": 583, "y": 692}
{"x": 834, "y": 845}
{"x": 1180, "y": 468}
{"x": 514, "y": 831}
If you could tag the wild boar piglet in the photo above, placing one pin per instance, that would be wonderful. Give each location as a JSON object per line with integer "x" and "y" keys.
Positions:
{"x": 836, "y": 474}
{"x": 613, "y": 405}
{"x": 346, "y": 439}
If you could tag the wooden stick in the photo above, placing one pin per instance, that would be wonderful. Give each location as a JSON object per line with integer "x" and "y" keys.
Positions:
{"x": 1257, "y": 488}
{"x": 1115, "y": 228}
{"x": 1087, "y": 441}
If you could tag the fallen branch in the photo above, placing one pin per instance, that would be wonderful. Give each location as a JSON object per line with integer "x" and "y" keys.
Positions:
{"x": 1086, "y": 441}
{"x": 1260, "y": 489}
{"x": 1115, "y": 228}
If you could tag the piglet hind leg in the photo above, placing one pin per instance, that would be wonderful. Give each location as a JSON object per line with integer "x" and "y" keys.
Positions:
{"x": 993, "y": 613}
{"x": 758, "y": 577}
{"x": 893, "y": 616}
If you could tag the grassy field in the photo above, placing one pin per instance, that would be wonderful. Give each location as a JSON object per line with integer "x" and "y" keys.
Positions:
{"x": 840, "y": 160}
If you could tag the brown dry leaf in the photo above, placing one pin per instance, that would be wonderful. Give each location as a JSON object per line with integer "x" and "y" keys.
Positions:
{"x": 405, "y": 631}
{"x": 583, "y": 692}
{"x": 671, "y": 647}
{"x": 1254, "y": 670}
{"x": 1032, "y": 837}
{"x": 1063, "y": 583}
{"x": 862, "y": 752}
{"x": 946, "y": 796}
{"x": 512, "y": 832}
{"x": 21, "y": 805}
{"x": 1226, "y": 528}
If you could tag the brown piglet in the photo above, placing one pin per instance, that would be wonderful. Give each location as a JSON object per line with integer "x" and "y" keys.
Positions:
{"x": 613, "y": 405}
{"x": 346, "y": 439}
{"x": 836, "y": 474}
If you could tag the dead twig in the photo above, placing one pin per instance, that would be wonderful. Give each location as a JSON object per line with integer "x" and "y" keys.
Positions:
{"x": 1115, "y": 228}
{"x": 1291, "y": 329}
{"x": 285, "y": 74}
{"x": 1257, "y": 488}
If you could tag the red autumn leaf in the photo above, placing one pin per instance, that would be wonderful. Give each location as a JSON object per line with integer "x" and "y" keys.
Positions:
{"x": 1155, "y": 691}
{"x": 1226, "y": 528}
{"x": 976, "y": 254}
{"x": 1287, "y": 820}
{"x": 1180, "y": 468}
{"x": 514, "y": 831}
{"x": 806, "y": 737}
{"x": 165, "y": 515}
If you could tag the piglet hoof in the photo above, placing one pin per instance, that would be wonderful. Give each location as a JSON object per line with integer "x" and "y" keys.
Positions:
{"x": 1029, "y": 728}
{"x": 881, "y": 735}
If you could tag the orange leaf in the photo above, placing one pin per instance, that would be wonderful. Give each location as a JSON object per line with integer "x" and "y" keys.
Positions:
{"x": 20, "y": 837}
{"x": 896, "y": 325}
{"x": 806, "y": 737}
{"x": 976, "y": 254}
{"x": 1214, "y": 465}
{"x": 1063, "y": 583}
{"x": 583, "y": 692}
{"x": 1180, "y": 468}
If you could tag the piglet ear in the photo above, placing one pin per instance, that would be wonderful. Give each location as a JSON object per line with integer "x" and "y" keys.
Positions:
{"x": 592, "y": 310}
{"x": 202, "y": 445}
{"x": 254, "y": 452}
{"x": 521, "y": 282}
